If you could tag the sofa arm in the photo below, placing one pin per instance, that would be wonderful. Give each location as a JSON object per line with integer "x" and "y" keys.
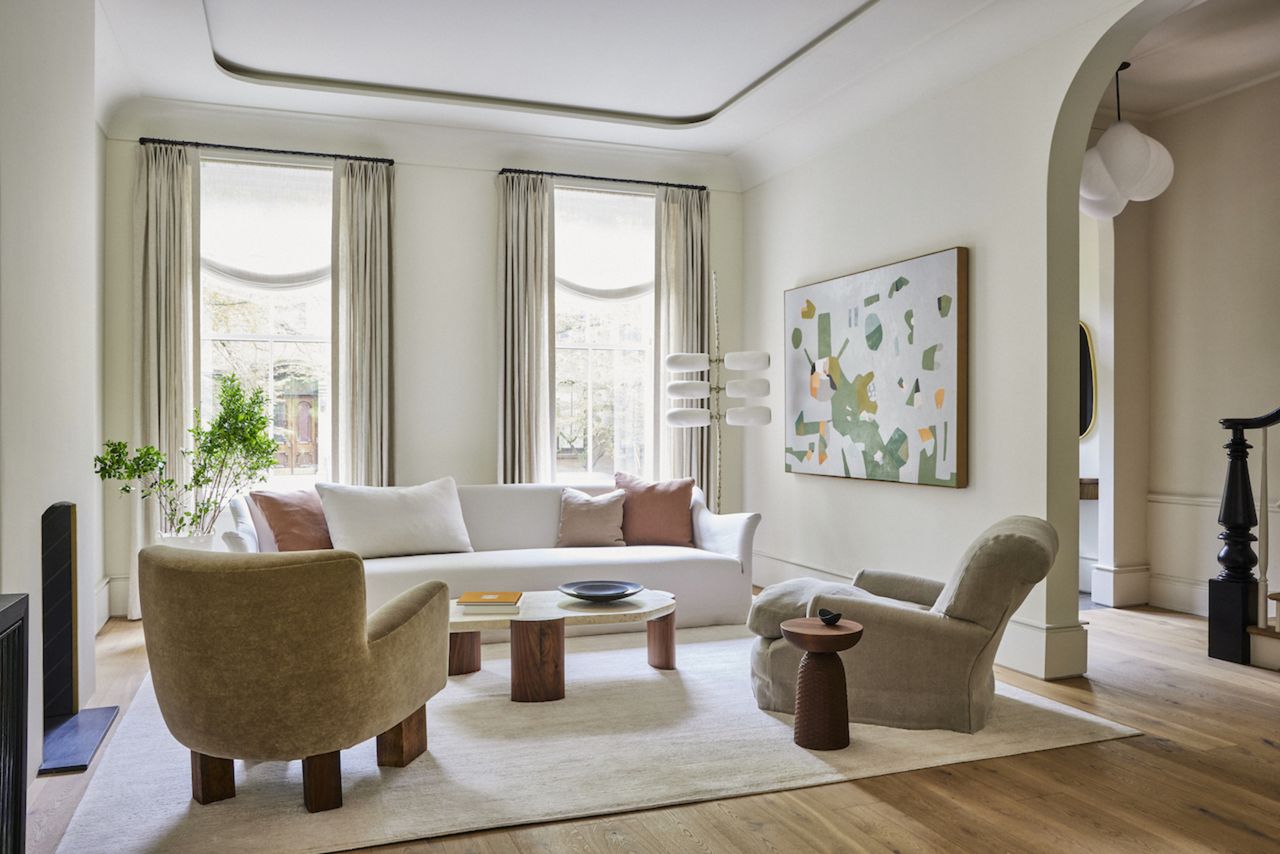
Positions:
{"x": 729, "y": 534}
{"x": 899, "y": 585}
{"x": 785, "y": 601}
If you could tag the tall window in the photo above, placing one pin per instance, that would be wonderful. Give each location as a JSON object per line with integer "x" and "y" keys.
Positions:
{"x": 604, "y": 369}
{"x": 266, "y": 302}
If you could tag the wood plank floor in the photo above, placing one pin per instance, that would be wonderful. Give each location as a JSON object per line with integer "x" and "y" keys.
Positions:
{"x": 1204, "y": 777}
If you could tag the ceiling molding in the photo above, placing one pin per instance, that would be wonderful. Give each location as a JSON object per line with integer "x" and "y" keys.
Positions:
{"x": 260, "y": 76}
{"x": 1207, "y": 99}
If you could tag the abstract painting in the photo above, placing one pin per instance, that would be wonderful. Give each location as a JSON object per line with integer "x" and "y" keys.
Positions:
{"x": 876, "y": 373}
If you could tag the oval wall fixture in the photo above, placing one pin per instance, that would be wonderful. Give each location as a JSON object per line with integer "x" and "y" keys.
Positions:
{"x": 748, "y": 416}
{"x": 750, "y": 387}
{"x": 747, "y": 360}
{"x": 687, "y": 363}
{"x": 689, "y": 389}
{"x": 688, "y": 417}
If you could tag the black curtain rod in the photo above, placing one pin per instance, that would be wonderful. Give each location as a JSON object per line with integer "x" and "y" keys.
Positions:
{"x": 598, "y": 178}
{"x": 148, "y": 140}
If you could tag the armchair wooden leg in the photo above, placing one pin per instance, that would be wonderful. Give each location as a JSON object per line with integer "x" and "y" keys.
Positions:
{"x": 212, "y": 778}
{"x": 405, "y": 741}
{"x": 322, "y": 781}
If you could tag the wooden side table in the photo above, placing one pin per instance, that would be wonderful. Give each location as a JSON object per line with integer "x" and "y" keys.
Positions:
{"x": 822, "y": 700}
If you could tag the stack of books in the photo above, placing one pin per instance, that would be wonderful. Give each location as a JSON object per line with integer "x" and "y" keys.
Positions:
{"x": 485, "y": 603}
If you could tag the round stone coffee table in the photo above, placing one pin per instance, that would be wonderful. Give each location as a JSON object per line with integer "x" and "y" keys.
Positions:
{"x": 822, "y": 701}
{"x": 537, "y": 636}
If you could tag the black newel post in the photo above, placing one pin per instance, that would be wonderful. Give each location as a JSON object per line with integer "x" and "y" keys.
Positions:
{"x": 1233, "y": 595}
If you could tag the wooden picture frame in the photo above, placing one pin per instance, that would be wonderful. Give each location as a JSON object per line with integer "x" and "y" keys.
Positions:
{"x": 877, "y": 374}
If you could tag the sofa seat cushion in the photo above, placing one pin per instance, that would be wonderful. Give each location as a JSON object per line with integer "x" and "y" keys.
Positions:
{"x": 692, "y": 575}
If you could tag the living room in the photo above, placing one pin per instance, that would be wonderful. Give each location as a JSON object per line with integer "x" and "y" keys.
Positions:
{"x": 455, "y": 263}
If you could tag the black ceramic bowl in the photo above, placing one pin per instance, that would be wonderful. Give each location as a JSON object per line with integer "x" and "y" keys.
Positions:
{"x": 601, "y": 591}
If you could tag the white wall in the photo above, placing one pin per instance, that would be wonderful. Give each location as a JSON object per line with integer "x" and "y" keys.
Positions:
{"x": 1090, "y": 311}
{"x": 1214, "y": 309}
{"x": 965, "y": 168}
{"x": 446, "y": 307}
{"x": 50, "y": 398}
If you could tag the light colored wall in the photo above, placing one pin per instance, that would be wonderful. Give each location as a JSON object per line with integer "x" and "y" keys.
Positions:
{"x": 446, "y": 315}
{"x": 1215, "y": 304}
{"x": 965, "y": 168}
{"x": 1090, "y": 310}
{"x": 50, "y": 401}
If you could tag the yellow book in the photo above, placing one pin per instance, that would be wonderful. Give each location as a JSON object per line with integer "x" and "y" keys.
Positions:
{"x": 483, "y": 598}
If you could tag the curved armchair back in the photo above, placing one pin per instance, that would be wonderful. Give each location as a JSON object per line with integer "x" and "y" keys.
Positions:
{"x": 260, "y": 656}
{"x": 998, "y": 571}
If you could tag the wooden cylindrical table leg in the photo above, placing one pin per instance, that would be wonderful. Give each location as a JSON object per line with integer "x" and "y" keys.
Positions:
{"x": 822, "y": 704}
{"x": 662, "y": 642}
{"x": 537, "y": 660}
{"x": 464, "y": 652}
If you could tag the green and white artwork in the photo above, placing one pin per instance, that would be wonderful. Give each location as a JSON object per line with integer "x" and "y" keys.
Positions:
{"x": 876, "y": 373}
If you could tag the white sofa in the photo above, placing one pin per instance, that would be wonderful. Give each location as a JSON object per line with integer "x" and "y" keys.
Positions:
{"x": 513, "y": 530}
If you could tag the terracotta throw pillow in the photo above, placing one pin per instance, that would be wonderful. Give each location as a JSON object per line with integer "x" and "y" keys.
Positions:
{"x": 590, "y": 520}
{"x": 296, "y": 519}
{"x": 656, "y": 514}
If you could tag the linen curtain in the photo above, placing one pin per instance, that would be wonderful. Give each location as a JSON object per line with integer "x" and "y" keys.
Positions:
{"x": 684, "y": 320}
{"x": 363, "y": 211}
{"x": 165, "y": 259}
{"x": 526, "y": 220}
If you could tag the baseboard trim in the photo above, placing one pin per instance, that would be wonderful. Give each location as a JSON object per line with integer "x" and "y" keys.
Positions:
{"x": 101, "y": 604}
{"x": 1178, "y": 594}
{"x": 768, "y": 569}
{"x": 118, "y": 595}
{"x": 1045, "y": 652}
{"x": 1120, "y": 586}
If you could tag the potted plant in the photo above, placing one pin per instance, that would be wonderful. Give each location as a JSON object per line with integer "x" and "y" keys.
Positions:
{"x": 233, "y": 452}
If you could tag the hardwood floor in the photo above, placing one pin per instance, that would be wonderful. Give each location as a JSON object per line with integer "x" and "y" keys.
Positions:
{"x": 1204, "y": 777}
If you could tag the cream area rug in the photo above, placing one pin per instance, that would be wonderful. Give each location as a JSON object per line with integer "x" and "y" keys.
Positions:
{"x": 625, "y": 737}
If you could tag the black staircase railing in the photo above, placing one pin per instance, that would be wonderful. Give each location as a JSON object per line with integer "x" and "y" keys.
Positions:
{"x": 1233, "y": 595}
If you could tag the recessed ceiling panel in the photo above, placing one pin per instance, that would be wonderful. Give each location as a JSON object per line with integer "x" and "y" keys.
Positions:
{"x": 672, "y": 59}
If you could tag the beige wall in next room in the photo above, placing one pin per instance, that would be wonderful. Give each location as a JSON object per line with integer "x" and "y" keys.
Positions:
{"x": 1213, "y": 247}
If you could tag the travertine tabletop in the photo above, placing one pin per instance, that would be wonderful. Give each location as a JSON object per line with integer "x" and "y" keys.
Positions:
{"x": 552, "y": 604}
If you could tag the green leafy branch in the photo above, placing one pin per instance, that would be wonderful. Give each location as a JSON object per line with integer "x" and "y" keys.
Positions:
{"x": 232, "y": 453}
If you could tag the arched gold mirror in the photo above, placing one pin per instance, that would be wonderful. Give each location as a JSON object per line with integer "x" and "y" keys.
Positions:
{"x": 1088, "y": 382}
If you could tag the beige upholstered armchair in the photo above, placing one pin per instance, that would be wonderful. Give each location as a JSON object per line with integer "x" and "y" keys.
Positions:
{"x": 925, "y": 659}
{"x": 270, "y": 657}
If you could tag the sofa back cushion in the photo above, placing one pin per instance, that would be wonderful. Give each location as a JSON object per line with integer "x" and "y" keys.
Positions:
{"x": 295, "y": 519}
{"x": 512, "y": 516}
{"x": 384, "y": 521}
{"x": 590, "y": 520}
{"x": 656, "y": 514}
{"x": 998, "y": 570}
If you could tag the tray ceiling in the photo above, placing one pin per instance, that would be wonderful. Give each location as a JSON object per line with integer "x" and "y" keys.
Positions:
{"x": 662, "y": 61}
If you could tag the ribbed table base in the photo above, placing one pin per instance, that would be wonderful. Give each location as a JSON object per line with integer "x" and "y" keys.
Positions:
{"x": 822, "y": 713}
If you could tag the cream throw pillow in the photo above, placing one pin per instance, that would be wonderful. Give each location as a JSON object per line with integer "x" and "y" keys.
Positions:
{"x": 384, "y": 521}
{"x": 587, "y": 520}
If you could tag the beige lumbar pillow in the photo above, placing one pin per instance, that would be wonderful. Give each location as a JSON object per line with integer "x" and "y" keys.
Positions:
{"x": 591, "y": 520}
{"x": 384, "y": 521}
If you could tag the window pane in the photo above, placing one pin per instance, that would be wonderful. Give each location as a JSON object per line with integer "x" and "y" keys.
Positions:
{"x": 604, "y": 343}
{"x": 571, "y": 411}
{"x": 266, "y": 302}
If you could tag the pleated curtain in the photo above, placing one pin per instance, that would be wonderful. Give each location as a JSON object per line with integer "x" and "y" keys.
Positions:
{"x": 363, "y": 212}
{"x": 526, "y": 238}
{"x": 166, "y": 252}
{"x": 684, "y": 321}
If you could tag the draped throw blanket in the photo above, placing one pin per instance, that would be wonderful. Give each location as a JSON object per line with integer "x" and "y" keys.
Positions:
{"x": 684, "y": 320}
{"x": 528, "y": 369}
{"x": 166, "y": 248}
{"x": 363, "y": 210}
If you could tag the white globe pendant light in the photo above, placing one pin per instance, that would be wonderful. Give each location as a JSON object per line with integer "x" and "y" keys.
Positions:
{"x": 1126, "y": 165}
